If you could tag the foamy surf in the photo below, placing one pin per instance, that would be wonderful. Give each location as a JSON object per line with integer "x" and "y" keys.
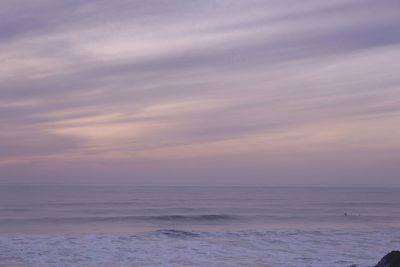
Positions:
{"x": 172, "y": 247}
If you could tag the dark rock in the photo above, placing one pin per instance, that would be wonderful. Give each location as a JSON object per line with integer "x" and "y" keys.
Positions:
{"x": 390, "y": 260}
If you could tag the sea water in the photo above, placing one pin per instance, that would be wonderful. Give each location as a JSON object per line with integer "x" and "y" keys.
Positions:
{"x": 197, "y": 226}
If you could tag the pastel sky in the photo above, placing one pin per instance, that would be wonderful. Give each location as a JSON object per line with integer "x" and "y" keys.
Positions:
{"x": 237, "y": 92}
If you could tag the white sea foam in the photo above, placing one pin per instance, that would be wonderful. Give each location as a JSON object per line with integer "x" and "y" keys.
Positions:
{"x": 188, "y": 248}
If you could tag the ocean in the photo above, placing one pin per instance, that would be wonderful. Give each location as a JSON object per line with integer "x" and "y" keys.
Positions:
{"x": 197, "y": 226}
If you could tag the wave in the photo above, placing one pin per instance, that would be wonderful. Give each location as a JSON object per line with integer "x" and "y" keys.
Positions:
{"x": 204, "y": 217}
{"x": 86, "y": 204}
{"x": 177, "y": 233}
{"x": 132, "y": 218}
{"x": 197, "y": 248}
{"x": 360, "y": 204}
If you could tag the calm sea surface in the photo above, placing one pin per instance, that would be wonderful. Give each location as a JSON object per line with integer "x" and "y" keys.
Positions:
{"x": 196, "y": 226}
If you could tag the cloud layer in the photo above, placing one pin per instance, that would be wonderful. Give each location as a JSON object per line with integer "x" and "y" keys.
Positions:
{"x": 197, "y": 92}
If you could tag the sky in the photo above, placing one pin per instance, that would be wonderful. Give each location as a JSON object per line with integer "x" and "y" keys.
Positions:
{"x": 200, "y": 92}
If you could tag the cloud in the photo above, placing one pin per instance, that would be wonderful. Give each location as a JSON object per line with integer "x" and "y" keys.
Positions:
{"x": 138, "y": 81}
